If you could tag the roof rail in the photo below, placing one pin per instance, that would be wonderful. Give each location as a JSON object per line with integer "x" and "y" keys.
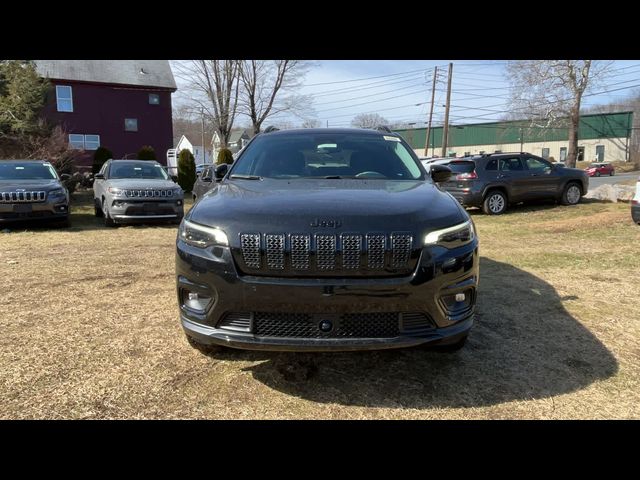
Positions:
{"x": 271, "y": 128}
{"x": 384, "y": 128}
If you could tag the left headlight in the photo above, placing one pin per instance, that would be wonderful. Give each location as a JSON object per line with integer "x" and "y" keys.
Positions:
{"x": 452, "y": 237}
{"x": 60, "y": 192}
{"x": 200, "y": 236}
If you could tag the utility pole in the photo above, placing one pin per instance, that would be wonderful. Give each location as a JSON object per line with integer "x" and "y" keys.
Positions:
{"x": 433, "y": 94}
{"x": 445, "y": 130}
{"x": 204, "y": 147}
{"x": 521, "y": 140}
{"x": 327, "y": 123}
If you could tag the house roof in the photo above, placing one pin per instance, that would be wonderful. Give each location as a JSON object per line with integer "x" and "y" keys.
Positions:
{"x": 237, "y": 135}
{"x": 142, "y": 73}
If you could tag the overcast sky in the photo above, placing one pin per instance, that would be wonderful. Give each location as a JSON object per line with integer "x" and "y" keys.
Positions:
{"x": 400, "y": 90}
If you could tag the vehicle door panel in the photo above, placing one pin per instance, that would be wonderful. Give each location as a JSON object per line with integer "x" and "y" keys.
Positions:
{"x": 544, "y": 179}
{"x": 512, "y": 171}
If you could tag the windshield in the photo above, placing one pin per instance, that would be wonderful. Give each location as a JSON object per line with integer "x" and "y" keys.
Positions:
{"x": 328, "y": 155}
{"x": 26, "y": 171}
{"x": 144, "y": 169}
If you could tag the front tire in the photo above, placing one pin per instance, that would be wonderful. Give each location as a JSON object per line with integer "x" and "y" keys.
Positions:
{"x": 108, "y": 221}
{"x": 204, "y": 348}
{"x": 571, "y": 194}
{"x": 495, "y": 203}
{"x": 450, "y": 348}
{"x": 597, "y": 174}
{"x": 611, "y": 173}
{"x": 97, "y": 211}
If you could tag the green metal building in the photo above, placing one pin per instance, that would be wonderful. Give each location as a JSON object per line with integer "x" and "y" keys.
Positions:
{"x": 601, "y": 137}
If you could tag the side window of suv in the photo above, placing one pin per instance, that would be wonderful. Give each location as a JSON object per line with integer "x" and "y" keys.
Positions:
{"x": 492, "y": 165}
{"x": 537, "y": 165}
{"x": 511, "y": 164}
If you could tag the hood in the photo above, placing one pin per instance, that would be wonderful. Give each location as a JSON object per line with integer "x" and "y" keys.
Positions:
{"x": 141, "y": 183}
{"x": 30, "y": 185}
{"x": 327, "y": 206}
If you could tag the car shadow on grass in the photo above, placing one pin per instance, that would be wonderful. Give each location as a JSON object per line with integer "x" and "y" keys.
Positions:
{"x": 525, "y": 345}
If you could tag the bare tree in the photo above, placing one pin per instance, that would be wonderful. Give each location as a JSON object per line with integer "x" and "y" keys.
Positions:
{"x": 311, "y": 123}
{"x": 368, "y": 120}
{"x": 269, "y": 88}
{"x": 212, "y": 88}
{"x": 550, "y": 92}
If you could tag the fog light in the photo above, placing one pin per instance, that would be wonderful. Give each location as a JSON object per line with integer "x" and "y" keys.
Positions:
{"x": 460, "y": 297}
{"x": 179, "y": 202}
{"x": 197, "y": 302}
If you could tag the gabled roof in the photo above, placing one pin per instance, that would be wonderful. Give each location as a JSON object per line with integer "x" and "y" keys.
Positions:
{"x": 237, "y": 135}
{"x": 141, "y": 73}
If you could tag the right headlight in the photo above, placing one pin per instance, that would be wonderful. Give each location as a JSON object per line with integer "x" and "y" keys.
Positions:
{"x": 200, "y": 236}
{"x": 452, "y": 237}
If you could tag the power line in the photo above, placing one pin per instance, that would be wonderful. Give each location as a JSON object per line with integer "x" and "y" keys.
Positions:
{"x": 365, "y": 78}
{"x": 371, "y": 94}
{"x": 383, "y": 83}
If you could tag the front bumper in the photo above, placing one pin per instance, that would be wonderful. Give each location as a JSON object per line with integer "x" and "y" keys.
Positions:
{"x": 440, "y": 273}
{"x": 124, "y": 210}
{"x": 16, "y": 212}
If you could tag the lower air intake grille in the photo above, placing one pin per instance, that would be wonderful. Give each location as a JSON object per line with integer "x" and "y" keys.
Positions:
{"x": 353, "y": 325}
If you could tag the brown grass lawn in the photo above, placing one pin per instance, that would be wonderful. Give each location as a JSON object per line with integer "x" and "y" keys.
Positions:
{"x": 90, "y": 330}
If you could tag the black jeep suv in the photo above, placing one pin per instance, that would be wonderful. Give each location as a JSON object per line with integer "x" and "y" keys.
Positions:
{"x": 327, "y": 239}
{"x": 493, "y": 181}
{"x": 32, "y": 190}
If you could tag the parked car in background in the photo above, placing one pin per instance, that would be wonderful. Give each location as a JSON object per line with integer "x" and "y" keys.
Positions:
{"x": 32, "y": 190}
{"x": 426, "y": 163}
{"x": 204, "y": 182}
{"x": 200, "y": 167}
{"x": 493, "y": 181}
{"x": 598, "y": 169}
{"x": 327, "y": 239}
{"x": 130, "y": 191}
{"x": 635, "y": 204}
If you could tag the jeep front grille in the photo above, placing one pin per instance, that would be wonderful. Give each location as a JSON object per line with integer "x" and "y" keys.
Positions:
{"x": 339, "y": 255}
{"x": 22, "y": 197}
{"x": 148, "y": 193}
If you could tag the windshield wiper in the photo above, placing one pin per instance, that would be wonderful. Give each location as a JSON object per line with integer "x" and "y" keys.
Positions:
{"x": 246, "y": 177}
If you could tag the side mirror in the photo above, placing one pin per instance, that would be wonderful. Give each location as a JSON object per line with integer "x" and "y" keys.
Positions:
{"x": 99, "y": 176}
{"x": 221, "y": 171}
{"x": 174, "y": 178}
{"x": 440, "y": 173}
{"x": 65, "y": 177}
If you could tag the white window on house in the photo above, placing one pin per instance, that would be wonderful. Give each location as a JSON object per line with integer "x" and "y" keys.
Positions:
{"x": 91, "y": 142}
{"x": 76, "y": 141}
{"x": 131, "y": 124}
{"x": 64, "y": 98}
{"x": 84, "y": 142}
{"x": 154, "y": 99}
{"x": 563, "y": 154}
{"x": 545, "y": 153}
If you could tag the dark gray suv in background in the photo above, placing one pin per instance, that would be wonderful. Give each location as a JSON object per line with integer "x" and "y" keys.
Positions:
{"x": 32, "y": 190}
{"x": 493, "y": 181}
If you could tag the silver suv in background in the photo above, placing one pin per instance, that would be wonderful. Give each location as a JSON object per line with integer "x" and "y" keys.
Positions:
{"x": 131, "y": 191}
{"x": 32, "y": 190}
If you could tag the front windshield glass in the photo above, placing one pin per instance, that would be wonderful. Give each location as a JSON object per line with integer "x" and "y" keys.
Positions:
{"x": 330, "y": 155}
{"x": 26, "y": 171}
{"x": 144, "y": 169}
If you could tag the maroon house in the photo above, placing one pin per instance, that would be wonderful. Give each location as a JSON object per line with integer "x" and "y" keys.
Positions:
{"x": 118, "y": 104}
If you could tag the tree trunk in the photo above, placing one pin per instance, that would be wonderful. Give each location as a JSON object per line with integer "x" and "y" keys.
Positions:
{"x": 574, "y": 121}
